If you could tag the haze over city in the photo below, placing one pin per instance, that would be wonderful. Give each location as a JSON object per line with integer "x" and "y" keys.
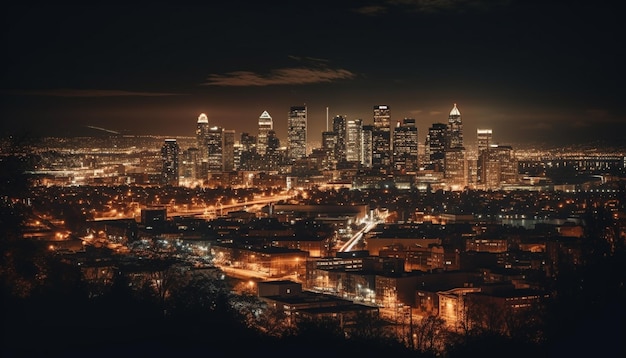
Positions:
{"x": 532, "y": 71}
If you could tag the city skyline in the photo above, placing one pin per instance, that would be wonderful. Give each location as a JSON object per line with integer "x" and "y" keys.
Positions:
{"x": 532, "y": 72}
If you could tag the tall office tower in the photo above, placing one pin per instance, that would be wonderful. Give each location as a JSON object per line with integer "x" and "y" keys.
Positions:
{"x": 215, "y": 145}
{"x": 329, "y": 145}
{"x": 498, "y": 166}
{"x": 202, "y": 130}
{"x": 436, "y": 147}
{"x": 265, "y": 125}
{"x": 339, "y": 127}
{"x": 249, "y": 157}
{"x": 169, "y": 156}
{"x": 366, "y": 145}
{"x": 237, "y": 154}
{"x": 381, "y": 137}
{"x": 455, "y": 168}
{"x": 296, "y": 132}
{"x": 273, "y": 155}
{"x": 405, "y": 144}
{"x": 455, "y": 129}
{"x": 354, "y": 140}
{"x": 382, "y": 117}
{"x": 228, "y": 152}
{"x": 189, "y": 164}
{"x": 483, "y": 141}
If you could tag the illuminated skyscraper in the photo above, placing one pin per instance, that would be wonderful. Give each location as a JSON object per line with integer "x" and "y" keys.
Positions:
{"x": 274, "y": 156}
{"x": 499, "y": 166}
{"x": 169, "y": 156}
{"x": 455, "y": 129}
{"x": 366, "y": 143}
{"x": 354, "y": 140}
{"x": 455, "y": 168}
{"x": 382, "y": 117}
{"x": 202, "y": 130}
{"x": 483, "y": 140}
{"x": 296, "y": 132}
{"x": 189, "y": 164}
{"x": 329, "y": 145}
{"x": 405, "y": 155}
{"x": 228, "y": 152}
{"x": 436, "y": 146}
{"x": 249, "y": 158}
{"x": 265, "y": 126}
{"x": 381, "y": 137}
{"x": 215, "y": 145}
{"x": 339, "y": 127}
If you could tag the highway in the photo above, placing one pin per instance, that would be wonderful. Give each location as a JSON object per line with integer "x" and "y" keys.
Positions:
{"x": 349, "y": 245}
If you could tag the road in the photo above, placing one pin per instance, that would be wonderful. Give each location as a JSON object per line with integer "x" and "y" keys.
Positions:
{"x": 349, "y": 245}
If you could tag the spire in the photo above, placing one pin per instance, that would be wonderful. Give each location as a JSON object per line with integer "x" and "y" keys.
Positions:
{"x": 265, "y": 115}
{"x": 455, "y": 111}
{"x": 202, "y": 118}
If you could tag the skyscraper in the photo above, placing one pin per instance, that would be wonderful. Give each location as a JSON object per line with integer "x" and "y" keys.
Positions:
{"x": 189, "y": 164}
{"x": 169, "y": 156}
{"x": 436, "y": 146}
{"x": 202, "y": 130}
{"x": 455, "y": 168}
{"x": 354, "y": 140}
{"x": 339, "y": 127}
{"x": 215, "y": 145}
{"x": 498, "y": 166}
{"x": 329, "y": 145}
{"x": 455, "y": 129}
{"x": 228, "y": 149}
{"x": 265, "y": 125}
{"x": 381, "y": 137}
{"x": 366, "y": 140}
{"x": 483, "y": 141}
{"x": 405, "y": 140}
{"x": 296, "y": 132}
{"x": 249, "y": 157}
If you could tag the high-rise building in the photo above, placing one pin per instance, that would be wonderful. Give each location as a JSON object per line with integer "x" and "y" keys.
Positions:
{"x": 189, "y": 164}
{"x": 329, "y": 145}
{"x": 436, "y": 147}
{"x": 381, "y": 137}
{"x": 202, "y": 130}
{"x": 366, "y": 145}
{"x": 228, "y": 150}
{"x": 296, "y": 132}
{"x": 169, "y": 156}
{"x": 273, "y": 155}
{"x": 483, "y": 141}
{"x": 455, "y": 129}
{"x": 215, "y": 145}
{"x": 405, "y": 144}
{"x": 265, "y": 126}
{"x": 382, "y": 117}
{"x": 339, "y": 127}
{"x": 498, "y": 166}
{"x": 249, "y": 157}
{"x": 455, "y": 172}
{"x": 354, "y": 140}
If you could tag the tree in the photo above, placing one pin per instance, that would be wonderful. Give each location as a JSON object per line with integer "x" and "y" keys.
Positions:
{"x": 430, "y": 334}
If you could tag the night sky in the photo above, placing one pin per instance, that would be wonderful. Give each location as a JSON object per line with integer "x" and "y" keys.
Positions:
{"x": 533, "y": 71}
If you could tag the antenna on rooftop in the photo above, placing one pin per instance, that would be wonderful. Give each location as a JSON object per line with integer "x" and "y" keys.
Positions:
{"x": 326, "y": 119}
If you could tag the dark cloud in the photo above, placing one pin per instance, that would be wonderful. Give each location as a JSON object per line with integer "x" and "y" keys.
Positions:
{"x": 283, "y": 76}
{"x": 86, "y": 93}
{"x": 431, "y": 6}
